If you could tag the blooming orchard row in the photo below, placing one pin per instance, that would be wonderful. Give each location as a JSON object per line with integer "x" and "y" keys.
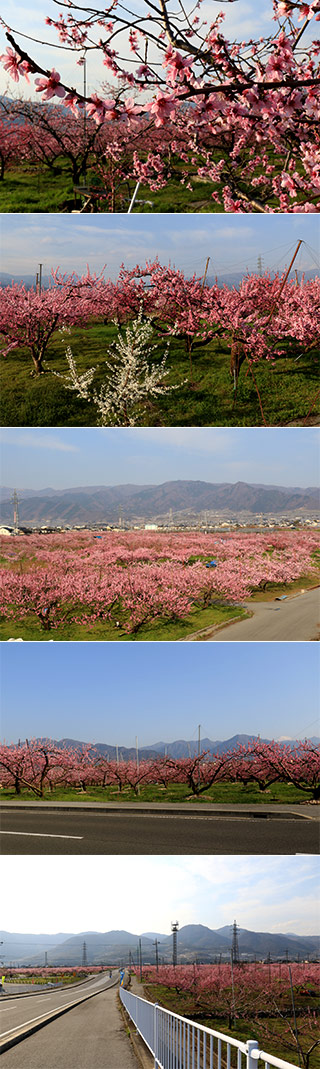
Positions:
{"x": 134, "y": 578}
{"x": 40, "y": 766}
{"x": 278, "y": 1000}
{"x": 259, "y": 318}
{"x": 243, "y": 114}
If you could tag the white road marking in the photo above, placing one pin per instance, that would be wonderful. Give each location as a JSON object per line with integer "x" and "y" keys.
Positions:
{"x": 41, "y": 1016}
{"x": 40, "y": 835}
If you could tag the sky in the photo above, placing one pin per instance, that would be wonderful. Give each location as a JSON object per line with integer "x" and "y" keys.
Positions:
{"x": 87, "y": 456}
{"x": 233, "y": 244}
{"x": 243, "y": 20}
{"x": 142, "y": 894}
{"x": 112, "y": 694}
{"x": 97, "y": 692}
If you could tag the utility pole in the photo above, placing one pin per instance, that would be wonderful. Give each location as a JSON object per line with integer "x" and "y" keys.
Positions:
{"x": 140, "y": 959}
{"x": 156, "y": 944}
{"x": 84, "y": 117}
{"x": 235, "y": 957}
{"x": 174, "y": 929}
{"x": 40, "y": 277}
{"x": 15, "y": 501}
{"x": 137, "y": 762}
{"x": 205, "y": 272}
{"x": 199, "y": 744}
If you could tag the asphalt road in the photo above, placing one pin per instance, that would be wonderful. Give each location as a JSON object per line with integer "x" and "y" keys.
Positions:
{"x": 72, "y": 832}
{"x": 294, "y": 620}
{"x": 90, "y": 1035}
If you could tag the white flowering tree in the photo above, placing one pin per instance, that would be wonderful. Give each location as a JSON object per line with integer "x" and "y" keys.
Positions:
{"x": 131, "y": 381}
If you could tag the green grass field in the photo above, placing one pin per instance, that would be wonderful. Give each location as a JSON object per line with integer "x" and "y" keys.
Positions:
{"x": 185, "y": 1004}
{"x": 225, "y": 793}
{"x": 31, "y": 630}
{"x": 28, "y": 188}
{"x": 287, "y": 388}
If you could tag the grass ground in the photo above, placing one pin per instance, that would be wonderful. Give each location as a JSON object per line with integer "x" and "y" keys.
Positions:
{"x": 226, "y": 793}
{"x": 287, "y": 388}
{"x": 30, "y": 188}
{"x": 185, "y": 1004}
{"x": 31, "y": 630}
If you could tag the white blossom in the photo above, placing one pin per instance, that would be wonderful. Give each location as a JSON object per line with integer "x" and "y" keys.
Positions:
{"x": 132, "y": 378}
{"x": 74, "y": 381}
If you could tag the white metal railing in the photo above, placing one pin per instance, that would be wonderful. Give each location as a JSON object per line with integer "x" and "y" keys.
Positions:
{"x": 177, "y": 1043}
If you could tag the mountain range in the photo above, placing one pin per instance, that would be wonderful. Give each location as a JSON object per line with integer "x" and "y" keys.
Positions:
{"x": 180, "y": 748}
{"x": 195, "y": 941}
{"x": 186, "y": 498}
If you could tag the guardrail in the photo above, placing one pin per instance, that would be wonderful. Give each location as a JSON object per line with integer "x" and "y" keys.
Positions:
{"x": 177, "y": 1043}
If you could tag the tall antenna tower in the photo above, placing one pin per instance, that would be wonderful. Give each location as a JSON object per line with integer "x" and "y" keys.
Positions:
{"x": 175, "y": 929}
{"x": 235, "y": 945}
{"x": 84, "y": 954}
{"x": 15, "y": 502}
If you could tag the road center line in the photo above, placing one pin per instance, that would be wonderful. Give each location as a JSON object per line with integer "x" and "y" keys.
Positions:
{"x": 40, "y": 835}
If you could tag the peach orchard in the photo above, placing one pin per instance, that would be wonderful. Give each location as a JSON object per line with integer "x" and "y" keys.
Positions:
{"x": 242, "y": 114}
{"x": 40, "y": 766}
{"x": 134, "y": 578}
{"x": 263, "y": 318}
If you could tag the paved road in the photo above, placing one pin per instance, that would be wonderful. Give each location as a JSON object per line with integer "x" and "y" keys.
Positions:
{"x": 294, "y": 620}
{"x": 71, "y": 832}
{"x": 18, "y": 1010}
{"x": 90, "y": 1035}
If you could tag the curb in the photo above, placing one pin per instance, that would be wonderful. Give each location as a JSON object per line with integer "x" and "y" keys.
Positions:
{"x": 237, "y": 810}
{"x": 43, "y": 990}
{"x": 215, "y": 628}
{"x": 35, "y": 1025}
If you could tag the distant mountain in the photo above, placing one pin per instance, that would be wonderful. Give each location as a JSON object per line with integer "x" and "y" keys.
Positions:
{"x": 185, "y": 498}
{"x": 195, "y": 941}
{"x": 179, "y": 749}
{"x": 232, "y": 278}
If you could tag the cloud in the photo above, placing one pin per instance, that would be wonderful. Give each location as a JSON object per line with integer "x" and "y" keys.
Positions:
{"x": 202, "y": 439}
{"x": 38, "y": 439}
{"x": 263, "y": 893}
{"x": 236, "y": 232}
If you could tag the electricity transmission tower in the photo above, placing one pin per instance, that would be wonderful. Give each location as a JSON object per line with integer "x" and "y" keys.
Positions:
{"x": 15, "y": 502}
{"x": 84, "y": 954}
{"x": 175, "y": 929}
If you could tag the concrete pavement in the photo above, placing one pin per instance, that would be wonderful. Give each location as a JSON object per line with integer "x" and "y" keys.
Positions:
{"x": 295, "y": 620}
{"x": 91, "y": 1034}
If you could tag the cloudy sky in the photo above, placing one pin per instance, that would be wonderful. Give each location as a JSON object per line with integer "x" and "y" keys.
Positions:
{"x": 158, "y": 692}
{"x": 243, "y": 19}
{"x": 110, "y": 456}
{"x": 141, "y": 894}
{"x": 233, "y": 245}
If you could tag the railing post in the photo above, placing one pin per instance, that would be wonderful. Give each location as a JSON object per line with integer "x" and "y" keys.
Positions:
{"x": 155, "y": 1034}
{"x": 251, "y": 1046}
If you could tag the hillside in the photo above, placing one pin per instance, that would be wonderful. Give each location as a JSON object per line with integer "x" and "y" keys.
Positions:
{"x": 186, "y": 499}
